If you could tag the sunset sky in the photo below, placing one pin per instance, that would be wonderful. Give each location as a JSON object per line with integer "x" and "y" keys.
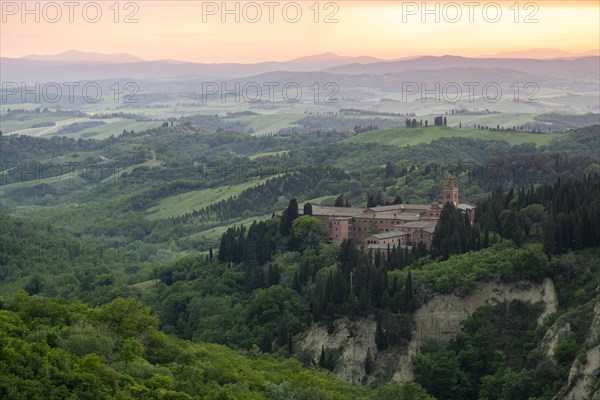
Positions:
{"x": 385, "y": 29}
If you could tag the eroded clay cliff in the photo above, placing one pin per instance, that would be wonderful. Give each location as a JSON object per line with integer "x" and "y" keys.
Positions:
{"x": 439, "y": 318}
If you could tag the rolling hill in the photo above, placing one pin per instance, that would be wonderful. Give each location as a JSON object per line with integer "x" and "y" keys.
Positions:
{"x": 412, "y": 136}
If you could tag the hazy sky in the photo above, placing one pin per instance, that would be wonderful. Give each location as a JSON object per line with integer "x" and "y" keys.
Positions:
{"x": 194, "y": 30}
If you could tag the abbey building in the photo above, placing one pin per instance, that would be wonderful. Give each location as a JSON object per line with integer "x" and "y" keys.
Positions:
{"x": 383, "y": 227}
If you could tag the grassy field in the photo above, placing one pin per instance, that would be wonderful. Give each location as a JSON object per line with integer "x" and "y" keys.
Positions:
{"x": 17, "y": 124}
{"x": 491, "y": 120}
{"x": 66, "y": 170}
{"x": 112, "y": 126}
{"x": 319, "y": 200}
{"x": 266, "y": 124}
{"x": 268, "y": 153}
{"x": 214, "y": 234}
{"x": 24, "y": 127}
{"x": 194, "y": 200}
{"x": 413, "y": 136}
{"x": 144, "y": 286}
{"x": 51, "y": 176}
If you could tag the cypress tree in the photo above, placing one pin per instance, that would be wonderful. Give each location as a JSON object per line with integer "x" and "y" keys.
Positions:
{"x": 307, "y": 209}
{"x": 486, "y": 238}
{"x": 550, "y": 246}
{"x": 380, "y": 338}
{"x": 288, "y": 217}
{"x": 369, "y": 364}
{"x": 409, "y": 296}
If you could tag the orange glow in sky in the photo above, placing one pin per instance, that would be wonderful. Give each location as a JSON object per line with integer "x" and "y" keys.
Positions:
{"x": 282, "y": 30}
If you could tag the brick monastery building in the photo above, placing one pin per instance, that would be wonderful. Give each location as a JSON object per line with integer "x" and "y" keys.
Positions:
{"x": 401, "y": 225}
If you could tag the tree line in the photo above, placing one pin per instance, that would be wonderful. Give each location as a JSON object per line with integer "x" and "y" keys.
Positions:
{"x": 262, "y": 198}
{"x": 565, "y": 215}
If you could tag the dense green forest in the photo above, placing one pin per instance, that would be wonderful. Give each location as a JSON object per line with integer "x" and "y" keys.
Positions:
{"x": 211, "y": 301}
{"x": 52, "y": 349}
{"x": 104, "y": 297}
{"x": 131, "y": 175}
{"x": 566, "y": 214}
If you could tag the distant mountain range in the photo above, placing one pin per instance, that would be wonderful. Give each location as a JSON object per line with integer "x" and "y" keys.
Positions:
{"x": 82, "y": 57}
{"x": 76, "y": 66}
{"x": 585, "y": 66}
{"x": 543, "y": 54}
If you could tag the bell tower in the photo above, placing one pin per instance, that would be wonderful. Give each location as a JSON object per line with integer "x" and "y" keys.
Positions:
{"x": 450, "y": 193}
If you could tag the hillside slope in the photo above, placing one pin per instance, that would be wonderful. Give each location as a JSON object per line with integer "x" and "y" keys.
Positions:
{"x": 438, "y": 319}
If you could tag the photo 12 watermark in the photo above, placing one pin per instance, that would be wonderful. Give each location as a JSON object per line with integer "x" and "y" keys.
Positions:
{"x": 454, "y": 92}
{"x": 252, "y": 12}
{"x": 53, "y": 12}
{"x": 454, "y": 12}
{"x": 71, "y": 251}
{"x": 271, "y": 92}
{"x": 51, "y": 172}
{"x": 239, "y": 171}
{"x": 68, "y": 92}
